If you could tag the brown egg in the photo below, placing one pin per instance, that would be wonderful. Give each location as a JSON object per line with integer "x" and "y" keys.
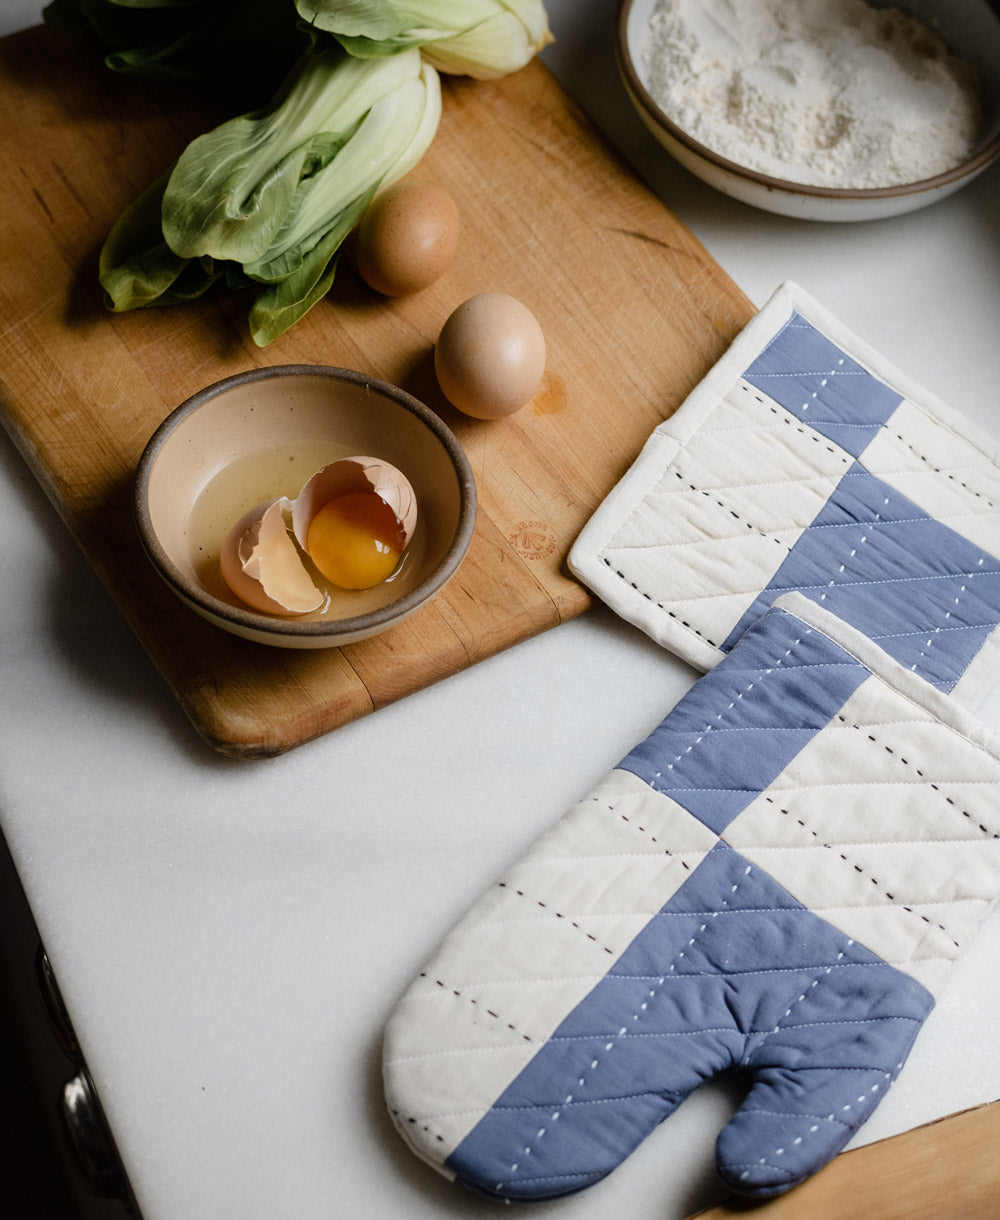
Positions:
{"x": 407, "y": 237}
{"x": 490, "y": 356}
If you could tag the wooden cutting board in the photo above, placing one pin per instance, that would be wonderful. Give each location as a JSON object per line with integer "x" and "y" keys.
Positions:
{"x": 634, "y": 310}
{"x": 944, "y": 1170}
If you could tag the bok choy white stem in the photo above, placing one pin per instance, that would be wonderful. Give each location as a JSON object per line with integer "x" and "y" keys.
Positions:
{"x": 232, "y": 187}
{"x": 479, "y": 38}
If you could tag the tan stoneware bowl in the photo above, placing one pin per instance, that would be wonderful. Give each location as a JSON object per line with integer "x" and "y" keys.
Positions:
{"x": 258, "y": 436}
{"x": 971, "y": 29}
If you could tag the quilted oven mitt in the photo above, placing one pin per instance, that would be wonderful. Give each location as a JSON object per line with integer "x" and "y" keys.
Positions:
{"x": 776, "y": 881}
{"x": 806, "y": 461}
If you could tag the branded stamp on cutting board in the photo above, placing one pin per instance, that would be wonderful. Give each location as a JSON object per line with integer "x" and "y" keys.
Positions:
{"x": 548, "y": 213}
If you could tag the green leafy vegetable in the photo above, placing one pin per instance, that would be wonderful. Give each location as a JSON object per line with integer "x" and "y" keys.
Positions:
{"x": 251, "y": 42}
{"x": 270, "y": 197}
{"x": 138, "y": 268}
{"x": 265, "y": 200}
{"x": 232, "y": 188}
{"x": 480, "y": 38}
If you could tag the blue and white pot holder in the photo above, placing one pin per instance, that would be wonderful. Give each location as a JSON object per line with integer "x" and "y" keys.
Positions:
{"x": 806, "y": 461}
{"x": 778, "y": 880}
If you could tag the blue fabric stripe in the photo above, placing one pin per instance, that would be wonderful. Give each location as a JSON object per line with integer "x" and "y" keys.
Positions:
{"x": 717, "y": 750}
{"x": 924, "y": 593}
{"x": 813, "y": 379}
{"x": 732, "y": 971}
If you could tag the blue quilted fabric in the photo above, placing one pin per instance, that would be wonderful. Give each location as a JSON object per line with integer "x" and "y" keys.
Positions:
{"x": 924, "y": 593}
{"x": 921, "y": 591}
{"x": 806, "y": 462}
{"x": 732, "y": 972}
{"x": 776, "y": 881}
{"x": 744, "y": 721}
{"x": 821, "y": 385}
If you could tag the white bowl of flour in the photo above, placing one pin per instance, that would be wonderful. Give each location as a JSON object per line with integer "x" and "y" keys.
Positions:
{"x": 819, "y": 109}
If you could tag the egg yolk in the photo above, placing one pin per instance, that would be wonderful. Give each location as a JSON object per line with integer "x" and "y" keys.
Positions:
{"x": 355, "y": 540}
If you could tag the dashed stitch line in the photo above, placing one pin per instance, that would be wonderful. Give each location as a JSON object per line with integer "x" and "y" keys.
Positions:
{"x": 785, "y": 416}
{"x": 659, "y": 605}
{"x": 787, "y": 1174}
{"x": 768, "y": 670}
{"x": 864, "y": 872}
{"x": 611, "y": 807}
{"x": 875, "y": 519}
{"x": 754, "y": 529}
{"x": 978, "y": 625}
{"x": 609, "y": 1046}
{"x": 476, "y": 1003}
{"x": 863, "y": 1099}
{"x": 873, "y": 965}
{"x": 867, "y": 527}
{"x": 922, "y": 457}
{"x": 545, "y": 906}
{"x": 825, "y": 973}
{"x": 698, "y": 1031}
{"x": 415, "y": 1122}
{"x": 839, "y": 372}
{"x": 924, "y": 577}
{"x": 820, "y": 1118}
{"x": 936, "y": 787}
{"x": 955, "y": 601}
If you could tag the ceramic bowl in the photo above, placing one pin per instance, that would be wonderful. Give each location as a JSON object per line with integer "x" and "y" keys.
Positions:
{"x": 259, "y": 435}
{"x": 971, "y": 28}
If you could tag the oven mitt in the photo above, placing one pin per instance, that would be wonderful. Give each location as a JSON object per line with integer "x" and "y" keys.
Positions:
{"x": 805, "y": 461}
{"x": 776, "y": 881}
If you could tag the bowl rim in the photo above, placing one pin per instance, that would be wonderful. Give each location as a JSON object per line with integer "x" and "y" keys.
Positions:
{"x": 642, "y": 97}
{"x": 293, "y": 628}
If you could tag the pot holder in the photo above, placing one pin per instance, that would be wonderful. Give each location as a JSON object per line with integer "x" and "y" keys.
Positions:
{"x": 775, "y": 882}
{"x": 806, "y": 461}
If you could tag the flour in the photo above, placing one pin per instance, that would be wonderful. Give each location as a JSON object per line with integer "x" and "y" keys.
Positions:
{"x": 829, "y": 93}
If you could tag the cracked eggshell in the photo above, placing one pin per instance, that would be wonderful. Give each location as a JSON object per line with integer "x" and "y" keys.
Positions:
{"x": 261, "y": 564}
{"x": 260, "y": 561}
{"x": 355, "y": 474}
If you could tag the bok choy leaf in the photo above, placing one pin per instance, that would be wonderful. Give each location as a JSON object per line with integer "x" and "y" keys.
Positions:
{"x": 265, "y": 201}
{"x": 232, "y": 187}
{"x": 270, "y": 197}
{"x": 479, "y": 38}
{"x": 249, "y": 44}
{"x": 137, "y": 268}
{"x": 300, "y": 264}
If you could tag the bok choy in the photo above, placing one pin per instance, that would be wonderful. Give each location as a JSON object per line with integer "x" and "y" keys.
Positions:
{"x": 484, "y": 39}
{"x": 264, "y": 201}
{"x": 269, "y": 197}
{"x": 242, "y": 43}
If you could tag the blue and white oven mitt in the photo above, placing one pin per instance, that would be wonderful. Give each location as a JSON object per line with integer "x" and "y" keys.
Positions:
{"x": 776, "y": 881}
{"x": 805, "y": 461}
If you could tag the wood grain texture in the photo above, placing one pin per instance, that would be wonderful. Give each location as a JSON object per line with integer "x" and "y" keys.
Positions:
{"x": 634, "y": 310}
{"x": 945, "y": 1170}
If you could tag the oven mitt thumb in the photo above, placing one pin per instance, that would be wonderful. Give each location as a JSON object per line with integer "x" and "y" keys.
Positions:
{"x": 775, "y": 882}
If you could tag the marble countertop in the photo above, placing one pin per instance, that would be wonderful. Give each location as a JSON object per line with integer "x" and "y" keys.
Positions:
{"x": 229, "y": 937}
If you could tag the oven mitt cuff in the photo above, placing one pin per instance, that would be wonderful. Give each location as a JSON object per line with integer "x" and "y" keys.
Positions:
{"x": 806, "y": 461}
{"x": 776, "y": 882}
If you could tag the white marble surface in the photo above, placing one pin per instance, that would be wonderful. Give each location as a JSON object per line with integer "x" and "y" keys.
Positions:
{"x": 230, "y": 936}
